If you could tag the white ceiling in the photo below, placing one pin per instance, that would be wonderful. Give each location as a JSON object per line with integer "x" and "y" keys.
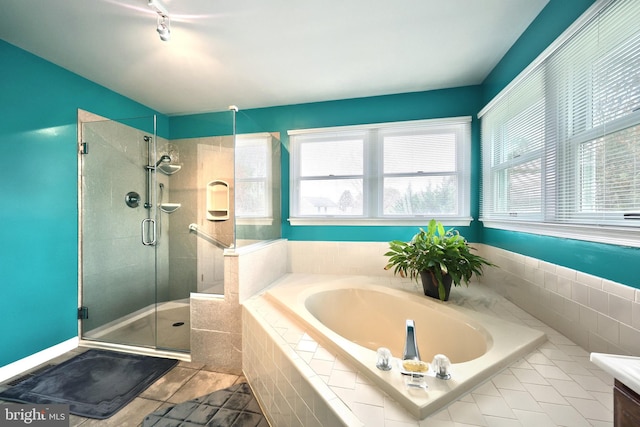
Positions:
{"x": 261, "y": 53}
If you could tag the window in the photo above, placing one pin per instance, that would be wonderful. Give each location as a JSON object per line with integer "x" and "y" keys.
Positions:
{"x": 253, "y": 177}
{"x": 381, "y": 173}
{"x": 561, "y": 145}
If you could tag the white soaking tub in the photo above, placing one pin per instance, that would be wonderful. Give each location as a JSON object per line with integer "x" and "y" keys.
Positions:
{"x": 355, "y": 319}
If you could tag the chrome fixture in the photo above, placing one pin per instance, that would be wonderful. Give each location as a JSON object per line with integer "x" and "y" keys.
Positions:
{"x": 411, "y": 344}
{"x": 163, "y": 159}
{"x": 441, "y": 365}
{"x": 164, "y": 22}
{"x": 132, "y": 199}
{"x": 384, "y": 359}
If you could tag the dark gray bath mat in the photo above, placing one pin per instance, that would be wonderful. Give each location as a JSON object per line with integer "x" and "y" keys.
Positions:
{"x": 95, "y": 384}
{"x": 234, "y": 406}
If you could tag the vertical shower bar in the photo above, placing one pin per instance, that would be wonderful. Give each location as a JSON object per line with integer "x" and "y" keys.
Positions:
{"x": 234, "y": 110}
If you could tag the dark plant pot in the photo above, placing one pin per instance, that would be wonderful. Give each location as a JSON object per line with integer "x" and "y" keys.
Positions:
{"x": 430, "y": 286}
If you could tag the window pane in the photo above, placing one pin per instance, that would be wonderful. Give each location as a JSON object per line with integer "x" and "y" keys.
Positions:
{"x": 325, "y": 158}
{"x": 434, "y": 152}
{"x": 610, "y": 173}
{"x": 254, "y": 160}
{"x": 250, "y": 199}
{"x": 421, "y": 195}
{"x": 522, "y": 188}
{"x": 331, "y": 197}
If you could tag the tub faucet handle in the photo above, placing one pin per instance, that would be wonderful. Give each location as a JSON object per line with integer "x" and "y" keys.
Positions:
{"x": 411, "y": 342}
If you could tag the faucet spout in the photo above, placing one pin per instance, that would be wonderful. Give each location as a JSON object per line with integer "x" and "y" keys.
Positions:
{"x": 411, "y": 344}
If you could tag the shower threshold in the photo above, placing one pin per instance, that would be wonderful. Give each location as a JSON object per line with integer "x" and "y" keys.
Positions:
{"x": 138, "y": 329}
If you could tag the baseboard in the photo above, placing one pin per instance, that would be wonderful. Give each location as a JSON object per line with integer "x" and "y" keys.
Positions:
{"x": 19, "y": 366}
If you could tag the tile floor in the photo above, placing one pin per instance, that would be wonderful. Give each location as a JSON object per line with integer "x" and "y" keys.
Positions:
{"x": 184, "y": 382}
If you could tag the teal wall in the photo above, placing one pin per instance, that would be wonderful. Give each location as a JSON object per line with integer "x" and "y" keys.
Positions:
{"x": 38, "y": 227}
{"x": 39, "y": 178}
{"x": 552, "y": 21}
{"x": 464, "y": 101}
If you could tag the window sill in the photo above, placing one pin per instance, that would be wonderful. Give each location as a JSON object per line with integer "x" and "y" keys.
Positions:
{"x": 254, "y": 221}
{"x": 622, "y": 236}
{"x": 379, "y": 222}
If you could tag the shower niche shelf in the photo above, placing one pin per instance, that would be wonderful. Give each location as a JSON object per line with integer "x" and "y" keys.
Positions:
{"x": 168, "y": 169}
{"x": 217, "y": 201}
{"x": 169, "y": 207}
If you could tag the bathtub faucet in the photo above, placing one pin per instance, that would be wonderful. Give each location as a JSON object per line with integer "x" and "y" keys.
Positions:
{"x": 411, "y": 343}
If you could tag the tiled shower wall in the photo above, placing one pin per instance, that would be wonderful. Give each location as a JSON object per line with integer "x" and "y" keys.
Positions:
{"x": 598, "y": 314}
{"x": 202, "y": 160}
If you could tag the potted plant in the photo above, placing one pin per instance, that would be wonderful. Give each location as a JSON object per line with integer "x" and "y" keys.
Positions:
{"x": 439, "y": 257}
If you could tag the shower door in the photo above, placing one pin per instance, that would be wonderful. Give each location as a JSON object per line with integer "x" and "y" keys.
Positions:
{"x": 118, "y": 232}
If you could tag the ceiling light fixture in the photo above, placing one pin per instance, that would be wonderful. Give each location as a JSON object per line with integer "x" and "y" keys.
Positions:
{"x": 164, "y": 22}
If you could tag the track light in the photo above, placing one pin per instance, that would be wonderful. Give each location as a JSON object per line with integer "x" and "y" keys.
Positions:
{"x": 164, "y": 22}
{"x": 164, "y": 29}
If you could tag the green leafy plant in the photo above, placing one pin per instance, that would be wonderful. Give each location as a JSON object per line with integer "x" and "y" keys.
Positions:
{"x": 438, "y": 252}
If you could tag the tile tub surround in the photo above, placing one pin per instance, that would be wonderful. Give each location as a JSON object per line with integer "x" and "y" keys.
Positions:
{"x": 216, "y": 320}
{"x": 301, "y": 382}
{"x": 360, "y": 311}
{"x": 600, "y": 315}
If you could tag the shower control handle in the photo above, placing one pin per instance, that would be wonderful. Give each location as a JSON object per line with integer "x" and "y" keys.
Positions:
{"x": 146, "y": 225}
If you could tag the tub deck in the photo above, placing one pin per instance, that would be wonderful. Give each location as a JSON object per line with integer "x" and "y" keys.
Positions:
{"x": 505, "y": 341}
{"x": 301, "y": 380}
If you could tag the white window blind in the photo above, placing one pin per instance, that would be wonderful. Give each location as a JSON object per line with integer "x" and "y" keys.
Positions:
{"x": 390, "y": 171}
{"x": 562, "y": 146}
{"x": 253, "y": 176}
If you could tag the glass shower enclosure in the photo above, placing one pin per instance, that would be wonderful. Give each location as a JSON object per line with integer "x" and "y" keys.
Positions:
{"x": 155, "y": 218}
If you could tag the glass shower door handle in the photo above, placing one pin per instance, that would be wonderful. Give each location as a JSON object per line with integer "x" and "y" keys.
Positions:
{"x": 148, "y": 229}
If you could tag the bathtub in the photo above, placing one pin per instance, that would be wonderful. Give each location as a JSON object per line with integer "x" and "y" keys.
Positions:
{"x": 354, "y": 318}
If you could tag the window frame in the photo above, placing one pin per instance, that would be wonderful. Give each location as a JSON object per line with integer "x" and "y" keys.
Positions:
{"x": 267, "y": 218}
{"x": 557, "y": 222}
{"x": 373, "y": 177}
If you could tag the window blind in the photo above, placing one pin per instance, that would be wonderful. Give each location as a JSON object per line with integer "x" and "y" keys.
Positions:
{"x": 563, "y": 145}
{"x": 388, "y": 171}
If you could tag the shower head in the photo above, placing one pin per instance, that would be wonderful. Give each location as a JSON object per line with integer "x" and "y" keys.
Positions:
{"x": 164, "y": 159}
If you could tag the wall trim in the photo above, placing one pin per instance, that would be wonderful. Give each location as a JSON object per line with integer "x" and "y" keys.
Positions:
{"x": 19, "y": 366}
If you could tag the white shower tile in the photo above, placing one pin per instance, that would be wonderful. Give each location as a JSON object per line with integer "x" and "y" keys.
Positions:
{"x": 608, "y": 328}
{"x": 533, "y": 418}
{"x": 369, "y": 415}
{"x": 520, "y": 400}
{"x": 618, "y": 289}
{"x": 589, "y": 280}
{"x": 488, "y": 388}
{"x": 564, "y": 415}
{"x": 548, "y": 371}
{"x": 466, "y": 413}
{"x": 545, "y": 393}
{"x": 502, "y": 422}
{"x": 570, "y": 389}
{"x": 620, "y": 309}
{"x": 538, "y": 358}
{"x": 493, "y": 405}
{"x": 598, "y": 300}
{"x": 529, "y": 376}
{"x": 506, "y": 380}
{"x": 342, "y": 379}
{"x": 591, "y": 383}
{"x": 369, "y": 394}
{"x": 572, "y": 367}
